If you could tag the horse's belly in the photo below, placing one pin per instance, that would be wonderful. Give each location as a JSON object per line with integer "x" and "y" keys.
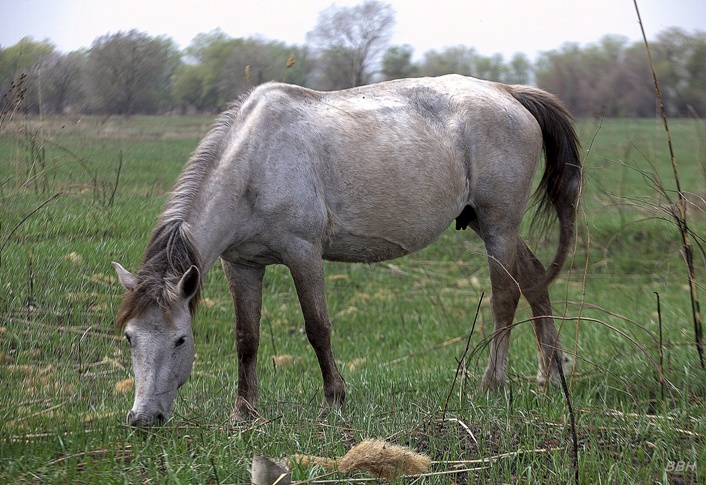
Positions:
{"x": 355, "y": 248}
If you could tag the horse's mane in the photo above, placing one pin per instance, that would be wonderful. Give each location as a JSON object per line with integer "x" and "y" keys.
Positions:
{"x": 170, "y": 253}
{"x": 202, "y": 161}
{"x": 171, "y": 250}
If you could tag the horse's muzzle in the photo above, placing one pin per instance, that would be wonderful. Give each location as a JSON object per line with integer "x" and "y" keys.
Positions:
{"x": 142, "y": 420}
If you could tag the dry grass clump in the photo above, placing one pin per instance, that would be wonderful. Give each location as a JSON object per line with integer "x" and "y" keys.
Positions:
{"x": 378, "y": 457}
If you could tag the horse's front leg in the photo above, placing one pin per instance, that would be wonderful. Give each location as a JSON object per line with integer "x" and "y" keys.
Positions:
{"x": 245, "y": 285}
{"x": 306, "y": 266}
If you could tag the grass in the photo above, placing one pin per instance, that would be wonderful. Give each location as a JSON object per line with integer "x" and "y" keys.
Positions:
{"x": 63, "y": 369}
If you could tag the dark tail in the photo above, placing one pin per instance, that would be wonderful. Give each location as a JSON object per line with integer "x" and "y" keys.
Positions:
{"x": 560, "y": 186}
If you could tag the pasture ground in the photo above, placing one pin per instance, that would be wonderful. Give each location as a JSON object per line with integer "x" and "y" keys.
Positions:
{"x": 398, "y": 329}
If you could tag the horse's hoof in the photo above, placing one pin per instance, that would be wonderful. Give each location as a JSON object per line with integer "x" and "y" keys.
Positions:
{"x": 332, "y": 405}
{"x": 567, "y": 365}
{"x": 554, "y": 379}
{"x": 491, "y": 383}
{"x": 243, "y": 411}
{"x": 328, "y": 410}
{"x": 323, "y": 413}
{"x": 542, "y": 381}
{"x": 238, "y": 417}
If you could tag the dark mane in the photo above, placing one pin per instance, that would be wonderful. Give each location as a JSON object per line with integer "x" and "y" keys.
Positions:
{"x": 170, "y": 253}
{"x": 171, "y": 250}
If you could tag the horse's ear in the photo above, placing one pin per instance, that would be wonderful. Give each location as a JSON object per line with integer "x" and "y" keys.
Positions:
{"x": 189, "y": 283}
{"x": 127, "y": 279}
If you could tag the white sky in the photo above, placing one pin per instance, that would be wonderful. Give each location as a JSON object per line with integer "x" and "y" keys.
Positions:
{"x": 491, "y": 26}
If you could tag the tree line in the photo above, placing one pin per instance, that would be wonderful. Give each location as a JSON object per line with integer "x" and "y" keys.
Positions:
{"x": 134, "y": 73}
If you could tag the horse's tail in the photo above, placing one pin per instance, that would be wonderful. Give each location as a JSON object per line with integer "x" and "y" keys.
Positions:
{"x": 560, "y": 186}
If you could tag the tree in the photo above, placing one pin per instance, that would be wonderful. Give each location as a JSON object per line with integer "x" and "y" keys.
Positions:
{"x": 566, "y": 73}
{"x": 629, "y": 86}
{"x": 129, "y": 72}
{"x": 188, "y": 87}
{"x": 208, "y": 53}
{"x": 60, "y": 80}
{"x": 695, "y": 65}
{"x": 351, "y": 40}
{"x": 452, "y": 60}
{"x": 519, "y": 71}
{"x": 680, "y": 61}
{"x": 219, "y": 68}
{"x": 491, "y": 68}
{"x": 613, "y": 78}
{"x": 18, "y": 67}
{"x": 397, "y": 62}
{"x": 254, "y": 61}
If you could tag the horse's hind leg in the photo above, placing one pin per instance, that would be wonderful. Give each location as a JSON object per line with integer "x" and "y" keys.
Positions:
{"x": 505, "y": 295}
{"x": 245, "y": 285}
{"x": 531, "y": 271}
{"x": 307, "y": 270}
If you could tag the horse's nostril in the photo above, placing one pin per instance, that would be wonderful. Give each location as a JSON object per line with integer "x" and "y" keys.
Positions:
{"x": 139, "y": 420}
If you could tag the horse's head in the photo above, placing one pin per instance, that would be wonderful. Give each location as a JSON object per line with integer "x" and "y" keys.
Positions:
{"x": 159, "y": 332}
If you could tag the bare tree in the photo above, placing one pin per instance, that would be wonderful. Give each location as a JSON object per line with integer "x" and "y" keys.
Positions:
{"x": 351, "y": 41}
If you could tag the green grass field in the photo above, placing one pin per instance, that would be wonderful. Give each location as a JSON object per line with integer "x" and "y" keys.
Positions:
{"x": 64, "y": 371}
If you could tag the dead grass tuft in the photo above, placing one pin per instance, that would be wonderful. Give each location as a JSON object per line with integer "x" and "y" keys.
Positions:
{"x": 380, "y": 458}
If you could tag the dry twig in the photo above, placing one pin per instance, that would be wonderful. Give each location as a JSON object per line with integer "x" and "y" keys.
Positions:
{"x": 680, "y": 217}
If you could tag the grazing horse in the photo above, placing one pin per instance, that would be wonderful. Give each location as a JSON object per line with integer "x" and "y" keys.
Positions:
{"x": 292, "y": 176}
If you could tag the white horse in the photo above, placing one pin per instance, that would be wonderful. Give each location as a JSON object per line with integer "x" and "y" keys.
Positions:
{"x": 292, "y": 176}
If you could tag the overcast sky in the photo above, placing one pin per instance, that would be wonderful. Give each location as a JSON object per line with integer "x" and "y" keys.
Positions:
{"x": 491, "y": 26}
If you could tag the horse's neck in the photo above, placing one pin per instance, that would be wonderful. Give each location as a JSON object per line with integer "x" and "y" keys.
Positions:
{"x": 207, "y": 198}
{"x": 207, "y": 243}
{"x": 211, "y": 222}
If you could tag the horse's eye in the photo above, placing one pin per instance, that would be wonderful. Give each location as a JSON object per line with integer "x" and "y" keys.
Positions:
{"x": 180, "y": 342}
{"x": 129, "y": 340}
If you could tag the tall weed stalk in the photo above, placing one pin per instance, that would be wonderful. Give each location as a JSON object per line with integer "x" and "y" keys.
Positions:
{"x": 679, "y": 214}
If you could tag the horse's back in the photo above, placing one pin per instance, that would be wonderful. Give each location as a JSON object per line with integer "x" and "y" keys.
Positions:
{"x": 379, "y": 171}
